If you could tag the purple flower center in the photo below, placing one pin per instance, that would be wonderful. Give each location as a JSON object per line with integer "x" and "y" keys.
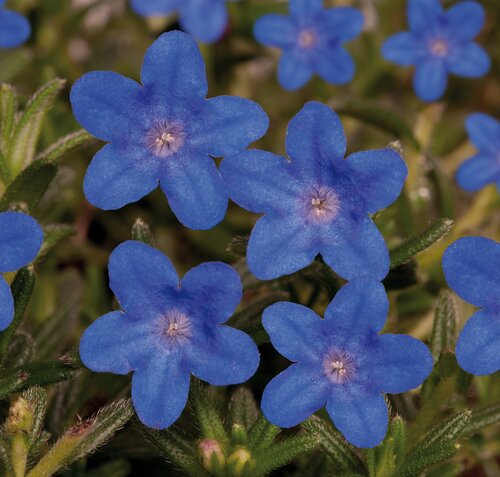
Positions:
{"x": 165, "y": 138}
{"x": 175, "y": 328}
{"x": 439, "y": 47}
{"x": 307, "y": 39}
{"x": 321, "y": 204}
{"x": 339, "y": 366}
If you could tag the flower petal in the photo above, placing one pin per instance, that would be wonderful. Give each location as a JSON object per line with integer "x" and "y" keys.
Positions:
{"x": 173, "y": 64}
{"x": 229, "y": 356}
{"x": 214, "y": 286}
{"x": 379, "y": 176}
{"x": 361, "y": 305}
{"x": 471, "y": 269}
{"x": 279, "y": 246}
{"x": 465, "y": 20}
{"x": 346, "y": 23}
{"x": 107, "y": 105}
{"x": 361, "y": 250}
{"x": 478, "y": 346}
{"x": 484, "y": 132}
{"x": 14, "y": 29}
{"x": 294, "y": 395}
{"x": 115, "y": 343}
{"x": 20, "y": 240}
{"x": 400, "y": 363}
{"x": 422, "y": 14}
{"x": 335, "y": 65}
{"x": 154, "y": 7}
{"x": 204, "y": 19}
{"x": 315, "y": 137}
{"x": 275, "y": 30}
{"x": 470, "y": 61}
{"x": 361, "y": 415}
{"x": 295, "y": 330}
{"x": 140, "y": 276}
{"x": 294, "y": 71}
{"x": 6, "y": 305}
{"x": 160, "y": 391}
{"x": 477, "y": 172}
{"x": 231, "y": 124}
{"x": 304, "y": 9}
{"x": 402, "y": 49}
{"x": 119, "y": 176}
{"x": 430, "y": 79}
{"x": 194, "y": 189}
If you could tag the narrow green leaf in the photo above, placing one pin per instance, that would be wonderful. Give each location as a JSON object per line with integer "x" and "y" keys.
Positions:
{"x": 5, "y": 454}
{"x": 65, "y": 144}
{"x": 243, "y": 409}
{"x": 141, "y": 231}
{"x": 481, "y": 418}
{"x": 8, "y": 108}
{"x": 15, "y": 62}
{"x": 413, "y": 467}
{"x": 447, "y": 469}
{"x": 407, "y": 250}
{"x": 399, "y": 434}
{"x": 20, "y": 350}
{"x": 444, "y": 329}
{"x": 53, "y": 235}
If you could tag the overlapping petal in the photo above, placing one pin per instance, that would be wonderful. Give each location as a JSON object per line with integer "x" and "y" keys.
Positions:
{"x": 276, "y": 30}
{"x": 204, "y": 19}
{"x": 14, "y": 29}
{"x": 478, "y": 171}
{"x": 6, "y": 305}
{"x": 484, "y": 132}
{"x": 465, "y": 20}
{"x": 470, "y": 61}
{"x": 430, "y": 79}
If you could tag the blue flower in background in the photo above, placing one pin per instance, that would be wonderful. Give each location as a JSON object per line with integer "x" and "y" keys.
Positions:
{"x": 341, "y": 362}
{"x": 14, "y": 28}
{"x": 20, "y": 240}
{"x": 483, "y": 168}
{"x": 164, "y": 131}
{"x": 168, "y": 330}
{"x": 439, "y": 43}
{"x": 471, "y": 266}
{"x": 312, "y": 41}
{"x": 204, "y": 19}
{"x": 316, "y": 203}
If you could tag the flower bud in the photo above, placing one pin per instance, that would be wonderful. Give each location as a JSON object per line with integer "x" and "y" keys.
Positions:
{"x": 239, "y": 461}
{"x": 212, "y": 456}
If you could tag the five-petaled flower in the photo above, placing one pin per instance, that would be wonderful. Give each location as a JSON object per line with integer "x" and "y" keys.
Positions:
{"x": 317, "y": 203}
{"x": 439, "y": 43}
{"x": 483, "y": 168}
{"x": 312, "y": 40}
{"x": 206, "y": 20}
{"x": 472, "y": 269}
{"x": 168, "y": 330}
{"x": 20, "y": 240}
{"x": 14, "y": 28}
{"x": 164, "y": 131}
{"x": 342, "y": 362}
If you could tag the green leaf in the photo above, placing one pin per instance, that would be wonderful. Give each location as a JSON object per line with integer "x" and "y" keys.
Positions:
{"x": 15, "y": 62}
{"x": 65, "y": 144}
{"x": 262, "y": 434}
{"x": 53, "y": 235}
{"x": 413, "y": 467}
{"x": 481, "y": 418}
{"x": 5, "y": 454}
{"x": 243, "y": 409}
{"x": 444, "y": 330}
{"x": 141, "y": 231}
{"x": 20, "y": 350}
{"x": 407, "y": 250}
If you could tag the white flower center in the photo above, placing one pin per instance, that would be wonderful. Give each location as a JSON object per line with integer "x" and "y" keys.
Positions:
{"x": 439, "y": 47}
{"x": 307, "y": 39}
{"x": 165, "y": 138}
{"x": 322, "y": 204}
{"x": 175, "y": 327}
{"x": 339, "y": 366}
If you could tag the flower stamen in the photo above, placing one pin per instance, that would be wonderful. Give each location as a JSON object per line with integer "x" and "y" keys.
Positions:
{"x": 175, "y": 327}
{"x": 339, "y": 366}
{"x": 165, "y": 138}
{"x": 439, "y": 48}
{"x": 307, "y": 39}
{"x": 322, "y": 204}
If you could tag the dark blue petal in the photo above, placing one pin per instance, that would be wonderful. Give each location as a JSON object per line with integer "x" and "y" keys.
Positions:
{"x": 430, "y": 79}
{"x": 478, "y": 346}
{"x": 465, "y": 20}
{"x": 471, "y": 269}
{"x": 294, "y": 395}
{"x": 359, "y": 251}
{"x": 215, "y": 287}
{"x": 20, "y": 240}
{"x": 6, "y": 305}
{"x": 107, "y": 105}
{"x": 154, "y": 7}
{"x": 344, "y": 22}
{"x": 275, "y": 30}
{"x": 279, "y": 246}
{"x": 361, "y": 415}
{"x": 304, "y": 9}
{"x": 379, "y": 176}
{"x": 478, "y": 171}
{"x": 14, "y": 29}
{"x": 484, "y": 132}
{"x": 295, "y": 330}
{"x": 115, "y": 343}
{"x": 294, "y": 70}
{"x": 194, "y": 189}
{"x": 204, "y": 19}
{"x": 229, "y": 356}
{"x": 139, "y": 276}
{"x": 335, "y": 65}
{"x": 361, "y": 305}
{"x": 160, "y": 391}
{"x": 470, "y": 61}
{"x": 251, "y": 179}
{"x": 402, "y": 49}
{"x": 119, "y": 176}
{"x": 173, "y": 65}
{"x": 315, "y": 137}
{"x": 424, "y": 14}
{"x": 399, "y": 363}
{"x": 231, "y": 124}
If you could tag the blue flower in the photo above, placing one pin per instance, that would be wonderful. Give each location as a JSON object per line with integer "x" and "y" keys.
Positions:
{"x": 312, "y": 41}
{"x": 204, "y": 19}
{"x": 342, "y": 362}
{"x": 20, "y": 240}
{"x": 317, "y": 203}
{"x": 484, "y": 167}
{"x": 164, "y": 131}
{"x": 168, "y": 330}
{"x": 439, "y": 43}
{"x": 472, "y": 269}
{"x": 14, "y": 28}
